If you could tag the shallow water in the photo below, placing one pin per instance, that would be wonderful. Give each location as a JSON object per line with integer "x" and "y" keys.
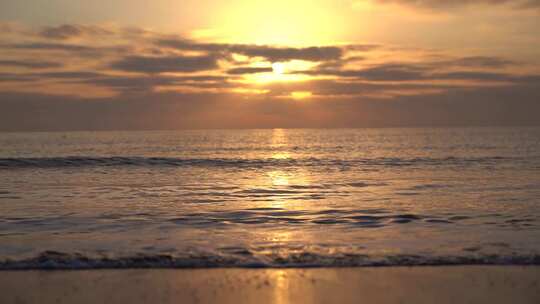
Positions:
{"x": 270, "y": 198}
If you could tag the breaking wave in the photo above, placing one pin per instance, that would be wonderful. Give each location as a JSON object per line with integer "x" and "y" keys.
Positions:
{"x": 53, "y": 260}
{"x": 72, "y": 161}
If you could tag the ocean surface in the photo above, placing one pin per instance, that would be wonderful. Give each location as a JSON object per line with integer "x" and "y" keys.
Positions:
{"x": 270, "y": 198}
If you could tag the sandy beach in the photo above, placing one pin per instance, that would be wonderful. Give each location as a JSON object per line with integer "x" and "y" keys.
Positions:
{"x": 459, "y": 284}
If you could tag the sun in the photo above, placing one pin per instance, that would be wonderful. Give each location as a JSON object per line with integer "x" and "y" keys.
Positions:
{"x": 278, "y": 68}
{"x": 284, "y": 71}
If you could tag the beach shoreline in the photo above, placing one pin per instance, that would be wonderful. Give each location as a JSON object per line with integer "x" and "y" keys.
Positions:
{"x": 424, "y": 284}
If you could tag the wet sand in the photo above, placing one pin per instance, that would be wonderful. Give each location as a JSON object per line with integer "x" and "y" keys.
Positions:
{"x": 457, "y": 284}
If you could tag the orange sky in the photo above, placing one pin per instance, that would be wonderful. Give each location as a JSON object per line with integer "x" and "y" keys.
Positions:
{"x": 330, "y": 63}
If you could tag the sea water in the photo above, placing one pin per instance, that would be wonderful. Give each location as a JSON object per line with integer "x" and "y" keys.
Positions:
{"x": 270, "y": 198}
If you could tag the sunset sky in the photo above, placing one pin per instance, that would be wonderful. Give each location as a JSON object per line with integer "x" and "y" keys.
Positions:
{"x": 164, "y": 64}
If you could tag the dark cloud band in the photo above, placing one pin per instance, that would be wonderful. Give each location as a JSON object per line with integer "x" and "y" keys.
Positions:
{"x": 268, "y": 52}
{"x": 147, "y": 64}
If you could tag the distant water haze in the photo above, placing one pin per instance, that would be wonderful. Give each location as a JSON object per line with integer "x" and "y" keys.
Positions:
{"x": 303, "y": 197}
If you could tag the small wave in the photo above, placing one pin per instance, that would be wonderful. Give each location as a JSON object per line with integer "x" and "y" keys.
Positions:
{"x": 341, "y": 218}
{"x": 243, "y": 258}
{"x": 72, "y": 161}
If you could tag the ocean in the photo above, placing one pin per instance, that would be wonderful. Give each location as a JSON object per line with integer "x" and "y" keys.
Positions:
{"x": 270, "y": 198}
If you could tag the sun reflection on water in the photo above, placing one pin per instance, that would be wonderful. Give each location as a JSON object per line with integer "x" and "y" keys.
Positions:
{"x": 279, "y": 137}
{"x": 281, "y": 155}
{"x": 279, "y": 143}
{"x": 282, "y": 187}
{"x": 278, "y": 178}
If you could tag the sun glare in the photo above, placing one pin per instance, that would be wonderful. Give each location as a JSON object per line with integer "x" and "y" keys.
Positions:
{"x": 281, "y": 72}
{"x": 301, "y": 94}
{"x": 279, "y": 22}
{"x": 278, "y": 68}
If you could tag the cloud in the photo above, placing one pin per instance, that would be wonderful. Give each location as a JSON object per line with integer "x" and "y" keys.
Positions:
{"x": 149, "y": 83}
{"x": 270, "y": 53}
{"x": 471, "y": 75}
{"x": 478, "y": 107}
{"x": 12, "y": 77}
{"x": 190, "y": 45}
{"x": 332, "y": 88}
{"x": 67, "y": 31}
{"x": 382, "y": 72}
{"x": 47, "y": 46}
{"x": 285, "y": 54}
{"x": 119, "y": 83}
{"x": 131, "y": 83}
{"x": 482, "y": 61}
{"x": 69, "y": 75}
{"x": 74, "y": 76}
{"x": 137, "y": 83}
{"x": 147, "y": 64}
{"x": 88, "y": 50}
{"x": 61, "y": 32}
{"x": 339, "y": 63}
{"x": 362, "y": 47}
{"x": 141, "y": 77}
{"x": 425, "y": 71}
{"x": 249, "y": 70}
{"x": 30, "y": 111}
{"x": 388, "y": 72}
{"x": 30, "y": 64}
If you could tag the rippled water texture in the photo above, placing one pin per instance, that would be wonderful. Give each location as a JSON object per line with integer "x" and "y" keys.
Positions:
{"x": 270, "y": 198}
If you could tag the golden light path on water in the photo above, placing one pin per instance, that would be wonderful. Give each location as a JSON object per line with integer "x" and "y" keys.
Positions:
{"x": 292, "y": 191}
{"x": 279, "y": 180}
